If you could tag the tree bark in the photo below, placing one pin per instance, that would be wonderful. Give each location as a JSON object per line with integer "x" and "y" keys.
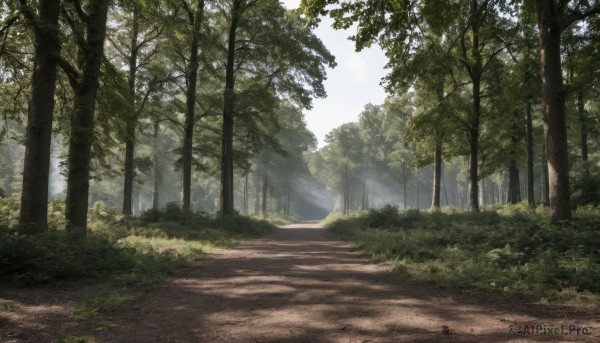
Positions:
{"x": 404, "y": 183}
{"x": 546, "y": 181}
{"x": 33, "y": 216}
{"x": 553, "y": 109}
{"x": 475, "y": 71}
{"x": 265, "y": 192}
{"x": 583, "y": 125}
{"x": 246, "y": 194}
{"x": 365, "y": 197}
{"x": 228, "y": 109}
{"x": 132, "y": 120}
{"x": 514, "y": 187}
{"x": 157, "y": 171}
{"x": 437, "y": 176}
{"x": 190, "y": 113}
{"x": 257, "y": 193}
{"x": 82, "y": 125}
{"x": 529, "y": 148}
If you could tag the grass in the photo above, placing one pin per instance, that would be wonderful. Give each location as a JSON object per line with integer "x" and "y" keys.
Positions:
{"x": 505, "y": 251}
{"x": 132, "y": 250}
{"x": 121, "y": 258}
{"x": 277, "y": 219}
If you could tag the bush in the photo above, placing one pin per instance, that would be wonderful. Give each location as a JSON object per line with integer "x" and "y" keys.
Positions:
{"x": 123, "y": 248}
{"x": 508, "y": 250}
{"x": 53, "y": 258}
{"x": 9, "y": 211}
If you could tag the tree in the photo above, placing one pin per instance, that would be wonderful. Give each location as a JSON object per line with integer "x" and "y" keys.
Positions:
{"x": 274, "y": 51}
{"x": 134, "y": 39}
{"x": 472, "y": 27}
{"x": 89, "y": 30}
{"x": 195, "y": 16}
{"x": 339, "y": 163}
{"x": 34, "y": 196}
{"x": 554, "y": 17}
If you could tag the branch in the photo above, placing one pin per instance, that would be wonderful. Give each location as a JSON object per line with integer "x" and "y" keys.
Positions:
{"x": 148, "y": 37}
{"x": 115, "y": 45}
{"x": 149, "y": 91}
{"x": 8, "y": 23}
{"x": 76, "y": 32}
{"x": 80, "y": 12}
{"x": 577, "y": 16}
{"x": 30, "y": 15}
{"x": 463, "y": 59}
{"x": 491, "y": 58}
{"x": 70, "y": 70}
{"x": 188, "y": 10}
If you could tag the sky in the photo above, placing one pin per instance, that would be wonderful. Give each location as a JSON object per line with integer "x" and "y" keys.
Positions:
{"x": 350, "y": 86}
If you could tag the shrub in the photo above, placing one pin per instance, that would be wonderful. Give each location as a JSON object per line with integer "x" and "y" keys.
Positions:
{"x": 509, "y": 250}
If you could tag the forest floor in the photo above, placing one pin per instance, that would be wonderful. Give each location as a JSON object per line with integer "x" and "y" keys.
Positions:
{"x": 298, "y": 284}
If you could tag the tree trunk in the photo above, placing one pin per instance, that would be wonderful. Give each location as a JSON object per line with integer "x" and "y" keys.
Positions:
{"x": 288, "y": 201}
{"x": 417, "y": 200}
{"x": 529, "y": 147}
{"x": 437, "y": 176}
{"x": 190, "y": 113}
{"x": 257, "y": 193}
{"x": 265, "y": 194}
{"x": 473, "y": 172}
{"x": 365, "y": 199}
{"x": 228, "y": 108}
{"x": 132, "y": 120}
{"x": 546, "y": 181}
{"x": 404, "y": 182}
{"x": 514, "y": 184}
{"x": 157, "y": 171}
{"x": 514, "y": 187}
{"x": 475, "y": 71}
{"x": 33, "y": 217}
{"x": 246, "y": 194}
{"x": 82, "y": 125}
{"x": 583, "y": 125}
{"x": 553, "y": 109}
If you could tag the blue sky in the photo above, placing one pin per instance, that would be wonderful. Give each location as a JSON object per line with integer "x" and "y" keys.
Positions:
{"x": 350, "y": 86}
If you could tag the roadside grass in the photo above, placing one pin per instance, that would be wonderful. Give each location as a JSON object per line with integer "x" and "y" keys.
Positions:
{"x": 277, "y": 219}
{"x": 504, "y": 251}
{"x": 121, "y": 258}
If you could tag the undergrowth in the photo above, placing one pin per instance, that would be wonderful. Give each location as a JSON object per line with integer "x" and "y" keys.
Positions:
{"x": 511, "y": 250}
{"x": 277, "y": 218}
{"x": 135, "y": 251}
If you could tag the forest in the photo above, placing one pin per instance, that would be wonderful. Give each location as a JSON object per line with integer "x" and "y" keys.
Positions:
{"x": 138, "y": 135}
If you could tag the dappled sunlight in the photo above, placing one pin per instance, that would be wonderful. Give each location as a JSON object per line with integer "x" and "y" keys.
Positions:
{"x": 38, "y": 315}
{"x": 301, "y": 285}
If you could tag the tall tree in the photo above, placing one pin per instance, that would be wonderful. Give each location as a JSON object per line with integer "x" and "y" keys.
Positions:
{"x": 277, "y": 54}
{"x": 195, "y": 15}
{"x": 472, "y": 27}
{"x": 134, "y": 39}
{"x": 89, "y": 29}
{"x": 554, "y": 17}
{"x": 34, "y": 195}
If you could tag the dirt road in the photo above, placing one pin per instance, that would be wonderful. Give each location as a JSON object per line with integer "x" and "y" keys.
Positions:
{"x": 301, "y": 284}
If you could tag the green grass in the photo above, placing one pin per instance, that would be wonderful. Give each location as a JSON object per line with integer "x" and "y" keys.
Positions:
{"x": 121, "y": 258}
{"x": 277, "y": 219}
{"x": 130, "y": 250}
{"x": 65, "y": 338}
{"x": 506, "y": 251}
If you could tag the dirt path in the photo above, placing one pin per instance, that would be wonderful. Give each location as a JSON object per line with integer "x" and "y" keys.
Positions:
{"x": 301, "y": 284}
